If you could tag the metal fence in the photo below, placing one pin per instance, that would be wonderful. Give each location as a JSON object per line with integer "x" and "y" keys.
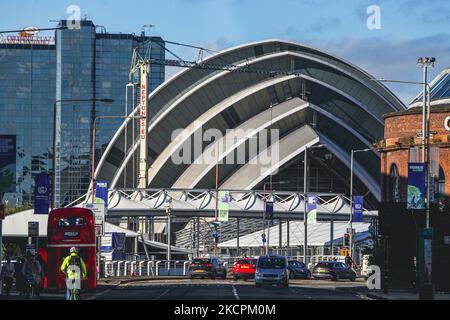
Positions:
{"x": 145, "y": 268}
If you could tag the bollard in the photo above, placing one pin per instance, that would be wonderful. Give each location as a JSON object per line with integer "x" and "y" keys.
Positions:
{"x": 184, "y": 267}
{"x": 149, "y": 263}
{"x": 109, "y": 263}
{"x": 157, "y": 268}
{"x": 118, "y": 267}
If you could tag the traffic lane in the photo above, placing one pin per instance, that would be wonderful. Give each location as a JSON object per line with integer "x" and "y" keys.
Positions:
{"x": 169, "y": 291}
{"x": 222, "y": 290}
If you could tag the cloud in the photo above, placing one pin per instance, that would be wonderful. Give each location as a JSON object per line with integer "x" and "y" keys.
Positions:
{"x": 390, "y": 58}
{"x": 320, "y": 26}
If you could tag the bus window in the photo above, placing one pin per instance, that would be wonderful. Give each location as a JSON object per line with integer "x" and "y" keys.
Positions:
{"x": 70, "y": 222}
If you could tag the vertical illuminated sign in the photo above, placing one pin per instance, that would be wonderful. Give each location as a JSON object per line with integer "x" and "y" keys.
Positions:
{"x": 143, "y": 125}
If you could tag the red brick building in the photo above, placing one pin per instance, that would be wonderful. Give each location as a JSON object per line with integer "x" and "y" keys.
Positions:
{"x": 401, "y": 134}
{"x": 399, "y": 226}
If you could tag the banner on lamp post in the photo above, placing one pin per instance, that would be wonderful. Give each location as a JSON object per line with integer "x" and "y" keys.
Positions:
{"x": 41, "y": 193}
{"x": 416, "y": 186}
{"x": 269, "y": 210}
{"x": 101, "y": 192}
{"x": 223, "y": 207}
{"x": 311, "y": 209}
{"x": 358, "y": 203}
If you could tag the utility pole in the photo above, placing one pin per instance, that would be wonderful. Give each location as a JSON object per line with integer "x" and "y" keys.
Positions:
{"x": 305, "y": 214}
{"x": 305, "y": 190}
{"x": 426, "y": 290}
{"x": 169, "y": 240}
{"x": 351, "y": 196}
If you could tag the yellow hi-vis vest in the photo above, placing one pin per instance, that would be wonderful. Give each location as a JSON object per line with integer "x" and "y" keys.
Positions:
{"x": 68, "y": 266}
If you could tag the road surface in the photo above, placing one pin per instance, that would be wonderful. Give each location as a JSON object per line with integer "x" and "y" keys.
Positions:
{"x": 185, "y": 289}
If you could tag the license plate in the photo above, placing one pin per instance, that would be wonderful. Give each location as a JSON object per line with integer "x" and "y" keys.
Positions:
{"x": 199, "y": 270}
{"x": 245, "y": 267}
{"x": 321, "y": 269}
{"x": 71, "y": 234}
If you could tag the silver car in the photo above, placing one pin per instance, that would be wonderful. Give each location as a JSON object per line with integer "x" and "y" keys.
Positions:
{"x": 272, "y": 270}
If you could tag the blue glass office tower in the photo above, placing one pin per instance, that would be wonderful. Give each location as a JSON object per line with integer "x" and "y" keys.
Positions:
{"x": 85, "y": 63}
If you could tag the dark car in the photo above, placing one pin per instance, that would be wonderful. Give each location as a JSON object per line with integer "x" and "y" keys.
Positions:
{"x": 298, "y": 269}
{"x": 207, "y": 268}
{"x": 333, "y": 270}
{"x": 272, "y": 270}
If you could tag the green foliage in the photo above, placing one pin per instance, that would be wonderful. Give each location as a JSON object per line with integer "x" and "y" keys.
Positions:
{"x": 26, "y": 206}
{"x": 7, "y": 250}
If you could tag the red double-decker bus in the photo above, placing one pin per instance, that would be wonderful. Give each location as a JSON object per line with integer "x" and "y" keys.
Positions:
{"x": 70, "y": 227}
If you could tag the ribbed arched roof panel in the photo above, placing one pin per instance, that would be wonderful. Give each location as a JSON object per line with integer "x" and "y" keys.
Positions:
{"x": 344, "y": 95}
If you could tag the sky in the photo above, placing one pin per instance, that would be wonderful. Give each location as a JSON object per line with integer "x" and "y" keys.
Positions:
{"x": 407, "y": 28}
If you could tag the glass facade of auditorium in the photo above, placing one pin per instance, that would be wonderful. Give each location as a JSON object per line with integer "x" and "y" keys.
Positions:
{"x": 83, "y": 64}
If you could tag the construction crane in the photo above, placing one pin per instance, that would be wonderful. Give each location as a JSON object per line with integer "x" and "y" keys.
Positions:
{"x": 141, "y": 64}
{"x": 140, "y": 68}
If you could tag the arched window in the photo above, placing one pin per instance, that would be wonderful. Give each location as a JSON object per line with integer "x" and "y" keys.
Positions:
{"x": 395, "y": 184}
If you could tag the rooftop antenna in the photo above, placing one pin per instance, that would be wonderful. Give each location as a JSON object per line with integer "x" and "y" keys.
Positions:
{"x": 147, "y": 26}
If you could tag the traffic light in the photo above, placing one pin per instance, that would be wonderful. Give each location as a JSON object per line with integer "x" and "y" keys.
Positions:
{"x": 346, "y": 239}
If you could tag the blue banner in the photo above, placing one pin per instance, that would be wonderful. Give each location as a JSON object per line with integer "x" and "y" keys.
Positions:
{"x": 416, "y": 186}
{"x": 358, "y": 203}
{"x": 7, "y": 163}
{"x": 118, "y": 246}
{"x": 311, "y": 208}
{"x": 101, "y": 192}
{"x": 269, "y": 210}
{"x": 41, "y": 193}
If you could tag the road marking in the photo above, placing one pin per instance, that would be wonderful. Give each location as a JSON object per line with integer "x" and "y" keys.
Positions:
{"x": 235, "y": 293}
{"x": 162, "y": 294}
{"x": 98, "y": 294}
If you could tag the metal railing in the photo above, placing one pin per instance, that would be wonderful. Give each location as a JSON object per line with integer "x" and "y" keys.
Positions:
{"x": 146, "y": 268}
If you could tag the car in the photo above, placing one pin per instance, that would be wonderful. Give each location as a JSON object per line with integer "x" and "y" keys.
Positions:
{"x": 272, "y": 270}
{"x": 211, "y": 268}
{"x": 333, "y": 270}
{"x": 244, "y": 268}
{"x": 298, "y": 269}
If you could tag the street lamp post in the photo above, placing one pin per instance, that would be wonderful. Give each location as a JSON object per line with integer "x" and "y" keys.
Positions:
{"x": 55, "y": 104}
{"x": 426, "y": 107}
{"x": 426, "y": 289}
{"x": 169, "y": 238}
{"x": 94, "y": 131}
{"x": 264, "y": 212}
{"x": 425, "y": 63}
{"x": 305, "y": 191}
{"x": 351, "y": 196}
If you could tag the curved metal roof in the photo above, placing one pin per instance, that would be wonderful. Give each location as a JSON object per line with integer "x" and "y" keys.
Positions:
{"x": 349, "y": 105}
{"x": 440, "y": 91}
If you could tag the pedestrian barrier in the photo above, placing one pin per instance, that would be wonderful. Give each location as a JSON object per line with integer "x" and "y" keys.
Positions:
{"x": 141, "y": 263}
{"x": 131, "y": 268}
{"x": 185, "y": 264}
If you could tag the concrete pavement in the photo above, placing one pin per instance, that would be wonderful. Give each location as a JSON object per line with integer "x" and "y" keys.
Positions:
{"x": 403, "y": 295}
